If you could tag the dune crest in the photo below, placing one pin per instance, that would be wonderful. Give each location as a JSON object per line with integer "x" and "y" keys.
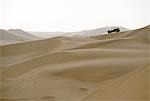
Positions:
{"x": 114, "y": 67}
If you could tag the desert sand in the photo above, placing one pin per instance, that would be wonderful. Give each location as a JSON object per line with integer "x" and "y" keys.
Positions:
{"x": 13, "y": 36}
{"x": 113, "y": 67}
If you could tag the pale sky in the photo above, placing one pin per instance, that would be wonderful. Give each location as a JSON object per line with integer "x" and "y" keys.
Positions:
{"x": 73, "y": 15}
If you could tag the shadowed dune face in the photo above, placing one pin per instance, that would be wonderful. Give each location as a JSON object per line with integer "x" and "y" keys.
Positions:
{"x": 112, "y": 67}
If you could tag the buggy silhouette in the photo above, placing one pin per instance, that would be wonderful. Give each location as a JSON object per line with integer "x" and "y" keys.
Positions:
{"x": 114, "y": 30}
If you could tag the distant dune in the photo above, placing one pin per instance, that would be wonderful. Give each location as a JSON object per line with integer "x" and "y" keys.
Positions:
{"x": 85, "y": 33}
{"x": 15, "y": 36}
{"x": 23, "y": 34}
{"x": 98, "y": 31}
{"x": 111, "y": 67}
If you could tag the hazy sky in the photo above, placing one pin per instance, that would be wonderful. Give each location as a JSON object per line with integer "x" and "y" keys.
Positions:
{"x": 73, "y": 15}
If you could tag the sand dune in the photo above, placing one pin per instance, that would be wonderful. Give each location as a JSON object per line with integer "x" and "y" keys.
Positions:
{"x": 98, "y": 31}
{"x": 112, "y": 67}
{"x": 84, "y": 33}
{"x": 23, "y": 34}
{"x": 13, "y": 36}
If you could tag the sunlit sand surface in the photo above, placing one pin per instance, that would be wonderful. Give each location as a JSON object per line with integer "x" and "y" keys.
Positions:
{"x": 113, "y": 67}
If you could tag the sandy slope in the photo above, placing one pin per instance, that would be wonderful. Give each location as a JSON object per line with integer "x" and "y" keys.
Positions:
{"x": 102, "y": 68}
{"x": 23, "y": 34}
{"x": 15, "y": 36}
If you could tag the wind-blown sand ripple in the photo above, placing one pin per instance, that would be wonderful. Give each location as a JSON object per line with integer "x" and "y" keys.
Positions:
{"x": 111, "y": 67}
